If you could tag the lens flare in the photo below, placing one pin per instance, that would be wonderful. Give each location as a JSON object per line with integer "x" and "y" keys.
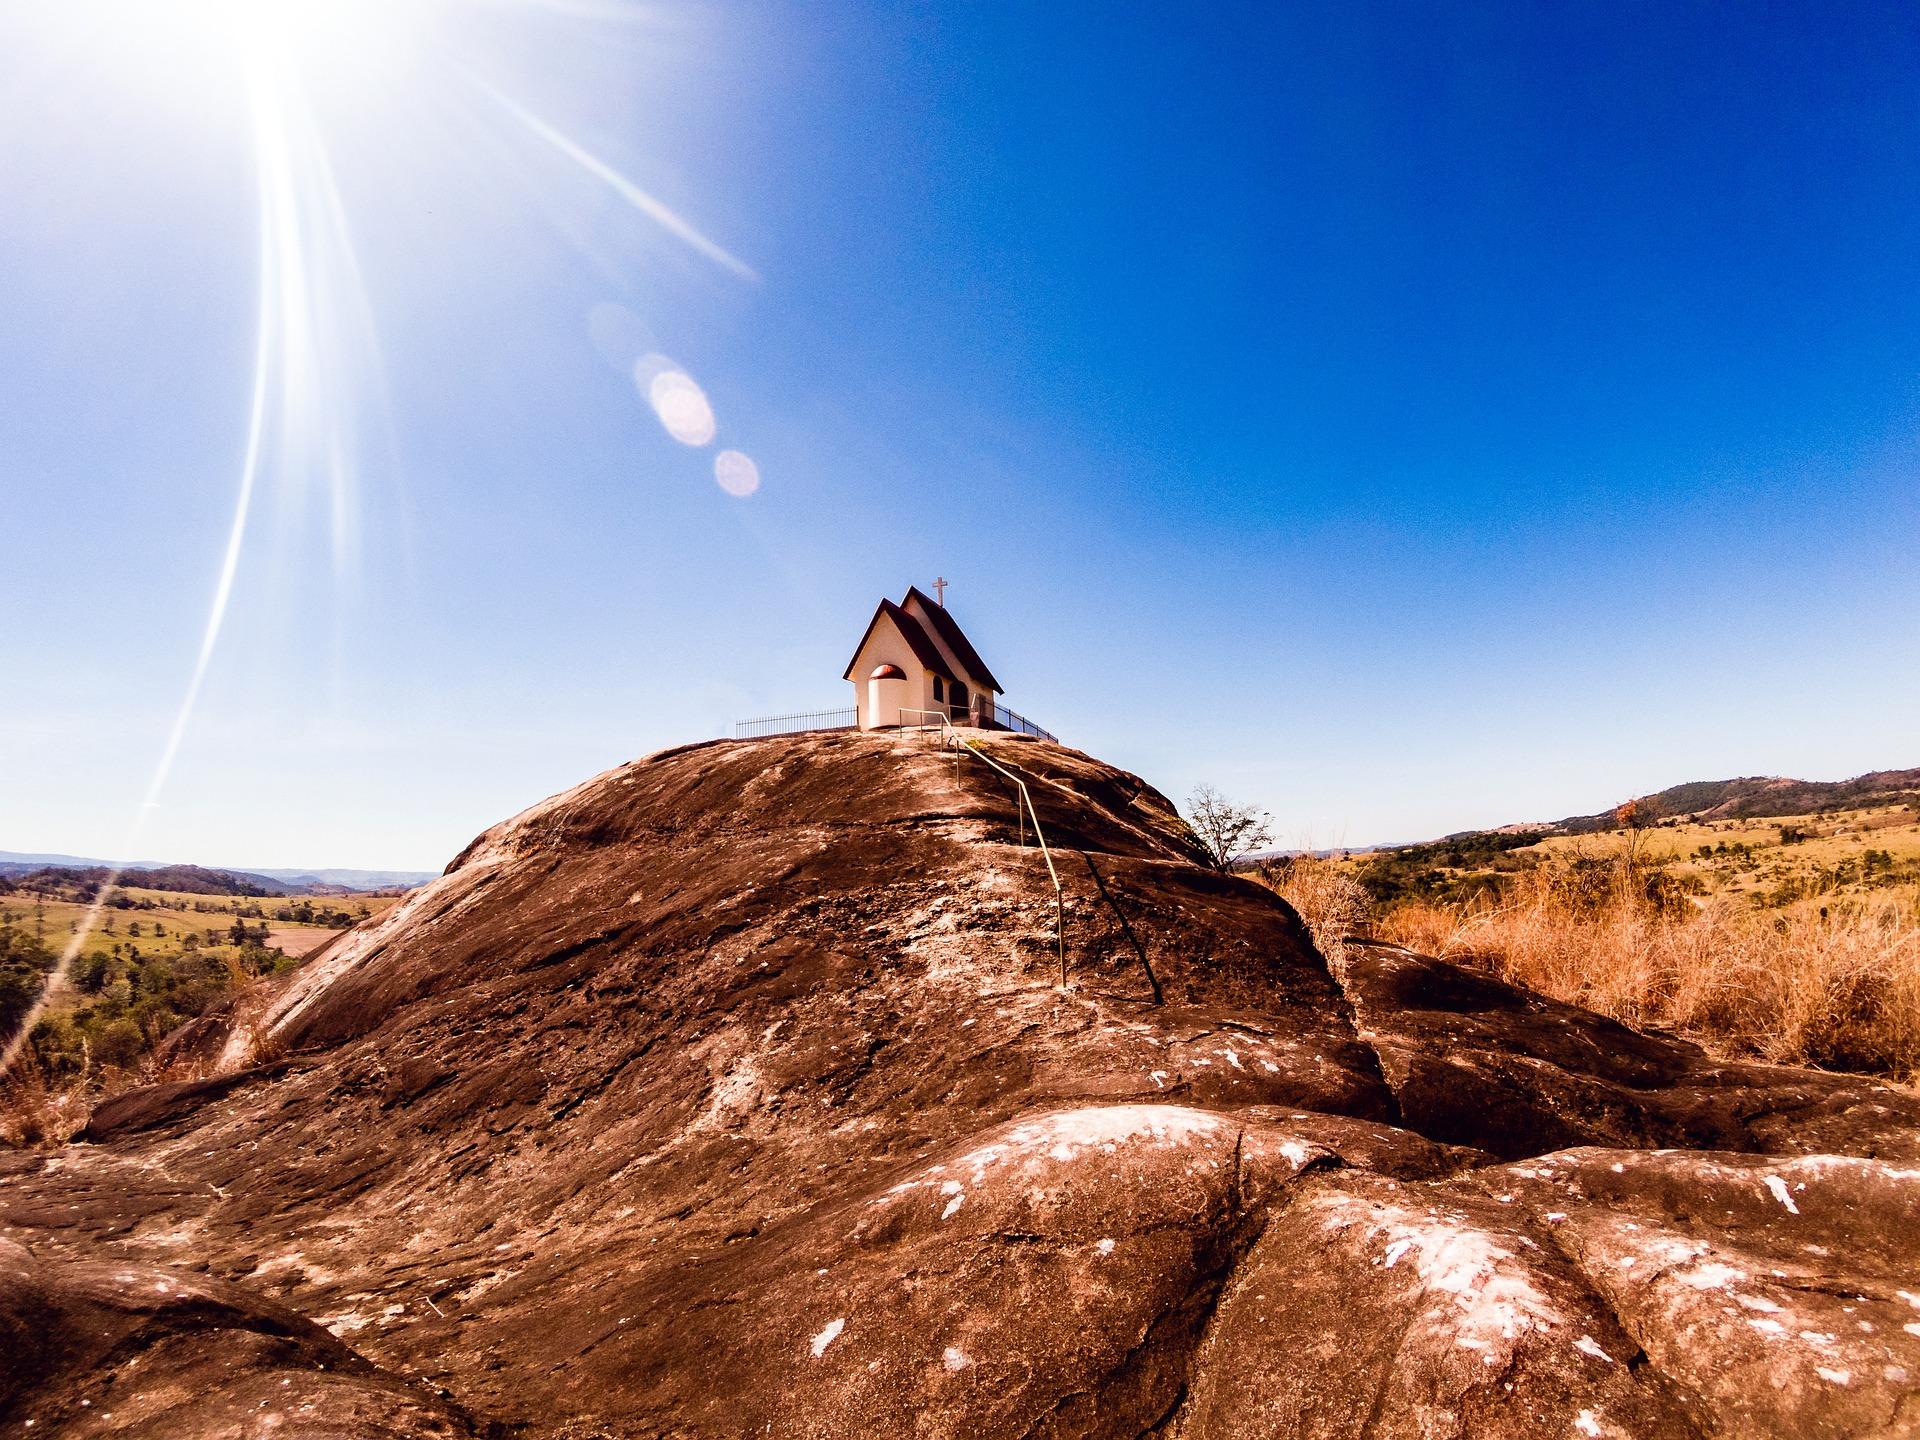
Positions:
{"x": 736, "y": 473}
{"x": 679, "y": 402}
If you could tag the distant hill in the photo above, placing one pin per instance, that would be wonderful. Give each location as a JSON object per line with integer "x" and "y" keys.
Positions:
{"x": 1754, "y": 796}
{"x": 328, "y": 882}
{"x": 14, "y": 864}
{"x": 181, "y": 879}
{"x": 1749, "y": 797}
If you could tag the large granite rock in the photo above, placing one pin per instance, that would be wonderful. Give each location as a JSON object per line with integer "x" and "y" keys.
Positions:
{"x": 733, "y": 1092}
{"x": 111, "y": 1348}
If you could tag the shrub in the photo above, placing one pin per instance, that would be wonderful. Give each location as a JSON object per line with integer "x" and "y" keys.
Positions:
{"x": 1330, "y": 901}
{"x": 119, "y": 1043}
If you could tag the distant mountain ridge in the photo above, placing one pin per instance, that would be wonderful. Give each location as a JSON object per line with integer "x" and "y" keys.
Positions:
{"x": 1748, "y": 797}
{"x": 221, "y": 879}
{"x": 181, "y": 879}
{"x": 1754, "y": 796}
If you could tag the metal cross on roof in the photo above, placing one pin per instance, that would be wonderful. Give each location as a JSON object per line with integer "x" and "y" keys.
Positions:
{"x": 940, "y": 592}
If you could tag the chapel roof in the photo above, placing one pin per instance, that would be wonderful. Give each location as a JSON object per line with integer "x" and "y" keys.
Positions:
{"x": 949, "y": 630}
{"x": 915, "y": 632}
{"x": 924, "y": 650}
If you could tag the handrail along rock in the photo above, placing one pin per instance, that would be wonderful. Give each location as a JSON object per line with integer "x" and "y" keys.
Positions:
{"x": 949, "y": 740}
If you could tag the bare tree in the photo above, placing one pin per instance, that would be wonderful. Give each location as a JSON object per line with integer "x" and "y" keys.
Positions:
{"x": 1631, "y": 816}
{"x": 1226, "y": 829}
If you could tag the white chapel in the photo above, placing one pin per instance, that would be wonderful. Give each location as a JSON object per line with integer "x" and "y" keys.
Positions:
{"x": 915, "y": 664}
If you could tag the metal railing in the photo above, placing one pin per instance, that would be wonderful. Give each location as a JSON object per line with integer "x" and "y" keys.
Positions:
{"x": 1059, "y": 903}
{"x": 794, "y": 724}
{"x": 1001, "y": 719}
{"x": 1013, "y": 720}
{"x": 948, "y": 740}
{"x": 930, "y": 719}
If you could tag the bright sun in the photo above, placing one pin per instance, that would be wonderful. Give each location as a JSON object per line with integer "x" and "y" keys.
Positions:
{"x": 306, "y": 33}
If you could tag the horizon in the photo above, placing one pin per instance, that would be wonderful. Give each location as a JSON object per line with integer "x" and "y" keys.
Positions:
{"x": 57, "y": 858}
{"x": 1407, "y": 423}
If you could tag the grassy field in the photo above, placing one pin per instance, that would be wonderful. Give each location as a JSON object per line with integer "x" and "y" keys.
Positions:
{"x": 152, "y": 960}
{"x": 1794, "y": 939}
{"x": 164, "y": 918}
{"x": 1831, "y": 857}
{"x": 1846, "y": 855}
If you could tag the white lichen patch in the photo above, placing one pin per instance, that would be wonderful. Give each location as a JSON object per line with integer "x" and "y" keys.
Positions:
{"x": 1664, "y": 1251}
{"x": 1711, "y": 1275}
{"x": 1780, "y": 1192}
{"x": 827, "y": 1336}
{"x": 734, "y": 1094}
{"x": 171, "y": 1237}
{"x": 1491, "y": 1298}
{"x": 1587, "y": 1345}
{"x": 1066, "y": 1136}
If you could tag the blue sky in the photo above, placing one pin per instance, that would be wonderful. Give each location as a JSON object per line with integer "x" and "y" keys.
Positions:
{"x": 1407, "y": 417}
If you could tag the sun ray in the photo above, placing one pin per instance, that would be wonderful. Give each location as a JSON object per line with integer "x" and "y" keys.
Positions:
{"x": 271, "y": 159}
{"x": 639, "y": 199}
{"x": 315, "y": 345}
{"x": 297, "y": 418}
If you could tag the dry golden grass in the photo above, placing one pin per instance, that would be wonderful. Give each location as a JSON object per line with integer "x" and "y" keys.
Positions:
{"x": 41, "y": 1108}
{"x": 36, "y": 1109}
{"x": 1835, "y": 986}
{"x": 1329, "y": 900}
